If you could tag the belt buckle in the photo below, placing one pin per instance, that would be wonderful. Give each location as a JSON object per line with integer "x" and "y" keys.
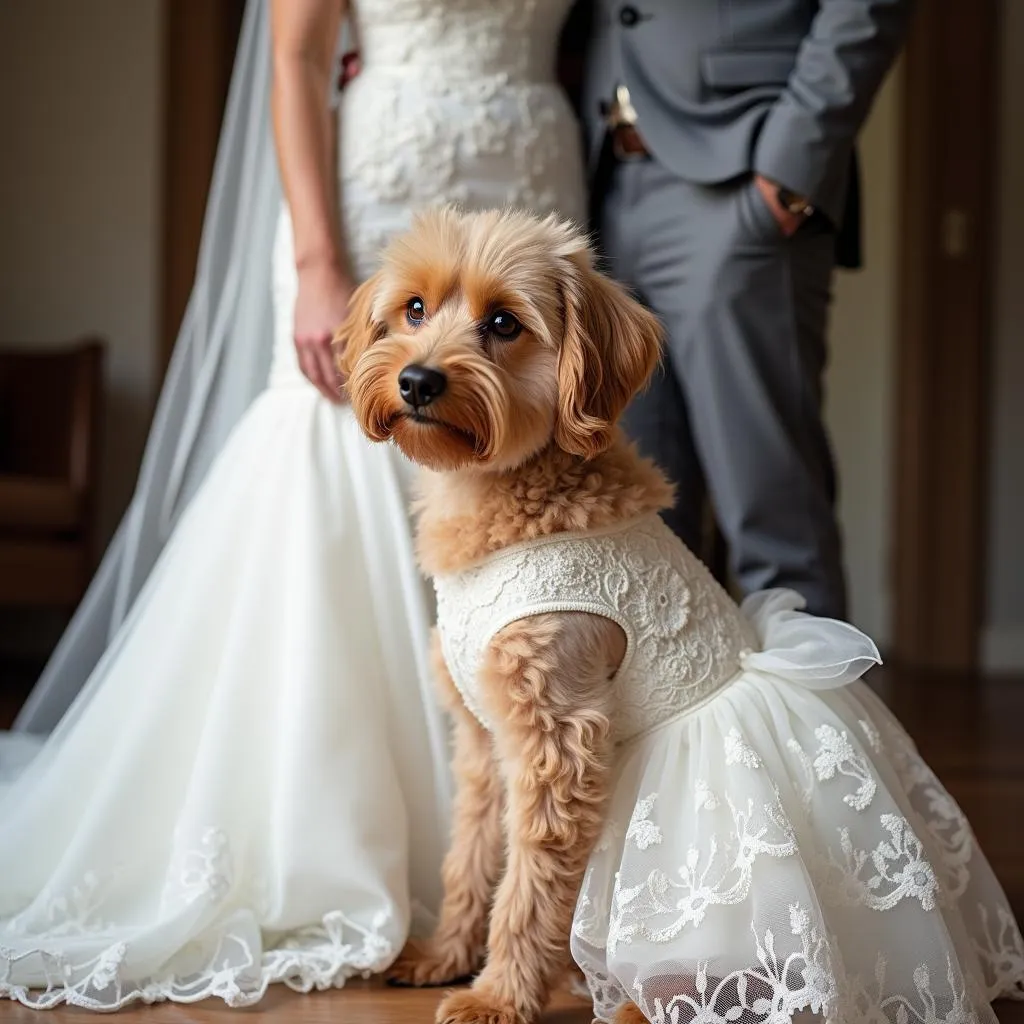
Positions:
{"x": 622, "y": 116}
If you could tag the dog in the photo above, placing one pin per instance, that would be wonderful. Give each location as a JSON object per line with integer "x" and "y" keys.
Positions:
{"x": 495, "y": 355}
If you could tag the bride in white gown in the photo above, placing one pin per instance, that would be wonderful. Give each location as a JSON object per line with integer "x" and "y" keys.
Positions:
{"x": 252, "y": 785}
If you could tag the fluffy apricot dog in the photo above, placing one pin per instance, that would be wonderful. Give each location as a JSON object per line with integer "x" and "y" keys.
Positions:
{"x": 493, "y": 354}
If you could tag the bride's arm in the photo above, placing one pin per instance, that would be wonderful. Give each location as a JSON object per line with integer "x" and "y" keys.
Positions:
{"x": 305, "y": 34}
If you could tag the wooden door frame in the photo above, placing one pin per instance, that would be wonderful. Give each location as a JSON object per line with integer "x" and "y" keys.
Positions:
{"x": 950, "y": 133}
{"x": 201, "y": 37}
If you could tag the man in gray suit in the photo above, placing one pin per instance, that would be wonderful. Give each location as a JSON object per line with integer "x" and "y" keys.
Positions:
{"x": 721, "y": 137}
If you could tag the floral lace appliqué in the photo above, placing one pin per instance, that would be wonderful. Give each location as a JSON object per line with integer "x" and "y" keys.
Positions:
{"x": 704, "y": 797}
{"x": 227, "y": 962}
{"x": 836, "y": 756}
{"x": 738, "y": 751}
{"x": 660, "y": 907}
{"x": 642, "y": 831}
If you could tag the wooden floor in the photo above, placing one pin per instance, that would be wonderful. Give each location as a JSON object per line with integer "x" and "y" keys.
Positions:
{"x": 358, "y": 1003}
{"x": 970, "y": 731}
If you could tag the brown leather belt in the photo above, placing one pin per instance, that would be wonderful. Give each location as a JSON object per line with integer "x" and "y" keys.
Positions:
{"x": 628, "y": 143}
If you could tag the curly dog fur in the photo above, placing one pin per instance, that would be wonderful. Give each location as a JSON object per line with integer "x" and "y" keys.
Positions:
{"x": 539, "y": 355}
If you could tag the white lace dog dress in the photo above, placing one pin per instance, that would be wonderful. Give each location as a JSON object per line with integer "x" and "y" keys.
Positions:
{"x": 774, "y": 842}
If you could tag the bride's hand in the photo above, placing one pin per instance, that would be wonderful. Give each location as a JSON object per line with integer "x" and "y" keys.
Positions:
{"x": 319, "y": 311}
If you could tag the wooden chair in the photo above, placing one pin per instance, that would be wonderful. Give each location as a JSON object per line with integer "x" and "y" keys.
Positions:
{"x": 50, "y": 404}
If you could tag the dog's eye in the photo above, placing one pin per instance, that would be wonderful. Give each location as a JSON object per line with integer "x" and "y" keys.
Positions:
{"x": 504, "y": 325}
{"x": 415, "y": 311}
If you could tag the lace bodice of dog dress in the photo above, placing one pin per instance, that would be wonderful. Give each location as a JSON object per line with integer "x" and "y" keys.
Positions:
{"x": 685, "y": 637}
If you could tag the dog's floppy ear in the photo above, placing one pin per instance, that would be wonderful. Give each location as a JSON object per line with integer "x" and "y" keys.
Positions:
{"x": 610, "y": 348}
{"x": 360, "y": 330}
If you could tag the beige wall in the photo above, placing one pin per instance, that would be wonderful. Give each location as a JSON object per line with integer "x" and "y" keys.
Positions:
{"x": 860, "y": 379}
{"x": 1004, "y": 632}
{"x": 80, "y": 124}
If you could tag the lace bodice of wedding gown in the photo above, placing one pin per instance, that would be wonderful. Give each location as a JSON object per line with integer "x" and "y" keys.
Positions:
{"x": 685, "y": 637}
{"x": 456, "y": 101}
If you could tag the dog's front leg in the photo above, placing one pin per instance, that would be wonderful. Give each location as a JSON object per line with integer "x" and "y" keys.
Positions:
{"x": 473, "y": 863}
{"x": 546, "y": 682}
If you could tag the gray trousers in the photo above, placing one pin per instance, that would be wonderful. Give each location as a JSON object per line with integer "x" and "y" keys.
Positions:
{"x": 736, "y": 409}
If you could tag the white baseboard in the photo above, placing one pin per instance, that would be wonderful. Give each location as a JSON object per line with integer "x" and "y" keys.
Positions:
{"x": 1002, "y": 649}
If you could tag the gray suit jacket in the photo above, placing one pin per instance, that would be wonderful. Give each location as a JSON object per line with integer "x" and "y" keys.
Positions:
{"x": 726, "y": 87}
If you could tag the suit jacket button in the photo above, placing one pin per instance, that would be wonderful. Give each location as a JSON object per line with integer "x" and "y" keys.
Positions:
{"x": 629, "y": 16}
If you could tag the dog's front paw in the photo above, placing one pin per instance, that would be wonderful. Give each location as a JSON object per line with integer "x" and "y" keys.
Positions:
{"x": 475, "y": 1007}
{"x": 422, "y": 965}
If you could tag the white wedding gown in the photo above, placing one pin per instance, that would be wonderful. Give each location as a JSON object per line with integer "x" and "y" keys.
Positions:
{"x": 253, "y": 786}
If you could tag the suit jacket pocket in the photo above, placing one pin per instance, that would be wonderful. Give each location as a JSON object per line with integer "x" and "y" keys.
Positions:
{"x": 746, "y": 69}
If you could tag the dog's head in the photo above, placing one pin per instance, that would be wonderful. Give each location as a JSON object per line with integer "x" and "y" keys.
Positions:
{"x": 486, "y": 337}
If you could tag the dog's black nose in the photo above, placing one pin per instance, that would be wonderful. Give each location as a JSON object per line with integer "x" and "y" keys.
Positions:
{"x": 420, "y": 385}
